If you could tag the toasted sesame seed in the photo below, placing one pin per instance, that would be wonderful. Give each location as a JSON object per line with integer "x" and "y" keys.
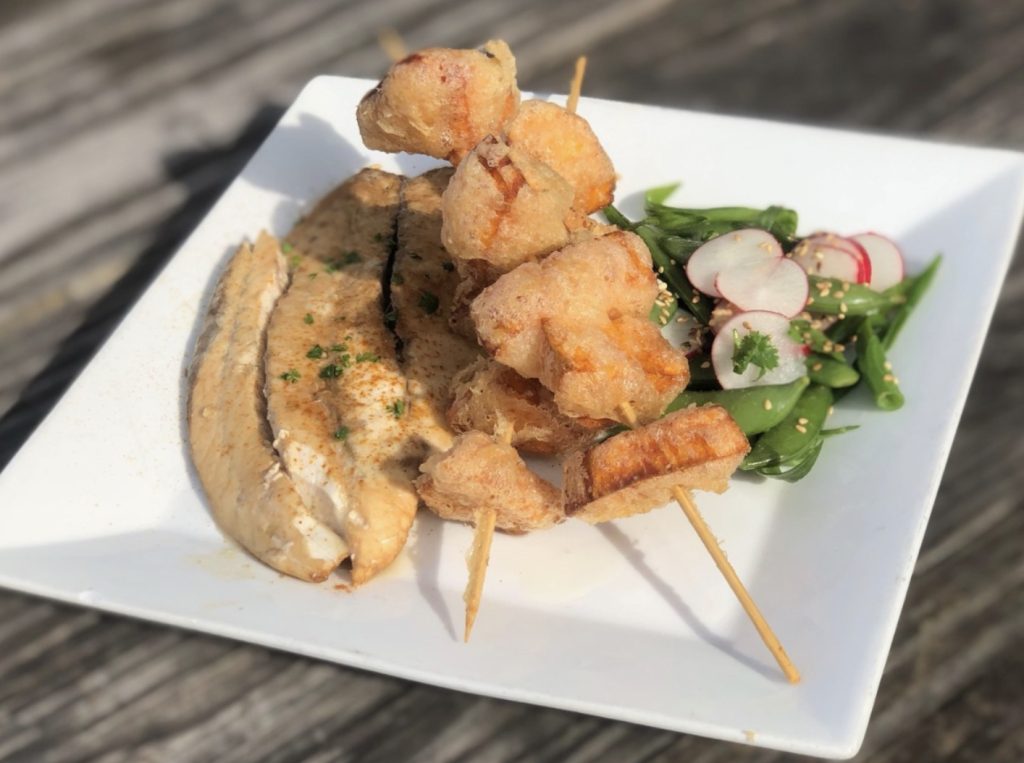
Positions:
{"x": 695, "y": 299}
{"x": 802, "y": 421}
{"x": 817, "y": 367}
{"x": 839, "y": 294}
{"x": 819, "y": 255}
{"x": 888, "y": 378}
{"x": 846, "y": 285}
{"x": 767, "y": 404}
{"x": 801, "y": 429}
{"x": 840, "y": 347}
{"x": 661, "y": 269}
{"x": 828, "y": 346}
{"x": 810, "y": 300}
{"x": 843, "y": 308}
{"x": 706, "y": 364}
{"x": 888, "y": 366}
{"x": 747, "y": 326}
{"x": 680, "y": 319}
{"x": 831, "y": 410}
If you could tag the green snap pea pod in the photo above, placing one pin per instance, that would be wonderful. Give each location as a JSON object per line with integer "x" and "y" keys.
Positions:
{"x": 702, "y": 373}
{"x": 831, "y": 372}
{"x": 659, "y": 194}
{"x": 662, "y": 313}
{"x": 843, "y": 330}
{"x": 706, "y": 223}
{"x": 798, "y": 471}
{"x": 795, "y": 435}
{"x": 844, "y": 298}
{"x": 679, "y": 248}
{"x": 912, "y": 294}
{"x": 836, "y": 431}
{"x": 615, "y": 217}
{"x": 876, "y": 370}
{"x": 803, "y": 331}
{"x": 673, "y": 275}
{"x": 755, "y": 409}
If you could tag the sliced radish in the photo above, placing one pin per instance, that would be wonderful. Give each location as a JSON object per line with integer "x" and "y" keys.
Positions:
{"x": 778, "y": 286}
{"x": 849, "y": 246}
{"x": 887, "y": 268}
{"x": 740, "y": 249}
{"x": 792, "y": 362}
{"x": 827, "y": 261}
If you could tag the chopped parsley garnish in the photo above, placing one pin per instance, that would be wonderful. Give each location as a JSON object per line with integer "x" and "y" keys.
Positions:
{"x": 295, "y": 261}
{"x": 315, "y": 352}
{"x": 313, "y": 275}
{"x": 754, "y": 349}
{"x": 331, "y": 371}
{"x": 308, "y": 319}
{"x": 449, "y": 266}
{"x": 345, "y": 360}
{"x": 348, "y": 258}
{"x": 286, "y": 247}
{"x": 378, "y": 236}
{"x": 429, "y": 302}
{"x": 339, "y": 347}
{"x": 397, "y": 408}
{"x": 341, "y": 433}
{"x": 291, "y": 375}
{"x": 367, "y": 357}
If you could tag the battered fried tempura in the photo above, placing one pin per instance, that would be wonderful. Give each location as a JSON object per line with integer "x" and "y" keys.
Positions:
{"x": 480, "y": 473}
{"x": 635, "y": 471}
{"x": 577, "y": 321}
{"x": 496, "y": 400}
{"x": 441, "y": 101}
{"x": 503, "y": 208}
{"x": 565, "y": 142}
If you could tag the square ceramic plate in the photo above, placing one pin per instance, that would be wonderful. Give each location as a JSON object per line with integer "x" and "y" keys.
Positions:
{"x": 628, "y": 620}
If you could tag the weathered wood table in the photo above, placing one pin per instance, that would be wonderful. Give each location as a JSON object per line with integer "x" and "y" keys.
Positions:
{"x": 121, "y": 121}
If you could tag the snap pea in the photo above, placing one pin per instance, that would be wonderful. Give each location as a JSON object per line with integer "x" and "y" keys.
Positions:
{"x": 616, "y": 218}
{"x": 876, "y": 370}
{"x": 663, "y": 312}
{"x": 843, "y": 330}
{"x": 804, "y": 332}
{"x": 755, "y": 409}
{"x": 673, "y": 275}
{"x": 912, "y": 292}
{"x": 841, "y": 298}
{"x": 797, "y": 471}
{"x": 714, "y": 221}
{"x": 679, "y": 248}
{"x": 796, "y": 435}
{"x": 659, "y": 194}
{"x": 702, "y": 373}
{"x": 833, "y": 373}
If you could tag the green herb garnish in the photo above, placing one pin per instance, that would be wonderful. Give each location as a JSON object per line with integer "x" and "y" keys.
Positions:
{"x": 291, "y": 375}
{"x": 331, "y": 371}
{"x": 308, "y": 319}
{"x": 754, "y": 349}
{"x": 367, "y": 357}
{"x": 397, "y": 408}
{"x": 315, "y": 352}
{"x": 341, "y": 433}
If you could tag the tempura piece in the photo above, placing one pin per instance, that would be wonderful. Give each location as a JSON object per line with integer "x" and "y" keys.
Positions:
{"x": 635, "y": 471}
{"x": 577, "y": 321}
{"x": 503, "y": 208}
{"x": 441, "y": 101}
{"x": 565, "y": 142}
{"x": 494, "y": 399}
{"x": 478, "y": 474}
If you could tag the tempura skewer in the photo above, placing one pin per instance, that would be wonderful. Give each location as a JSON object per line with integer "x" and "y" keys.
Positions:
{"x": 725, "y": 567}
{"x": 477, "y": 560}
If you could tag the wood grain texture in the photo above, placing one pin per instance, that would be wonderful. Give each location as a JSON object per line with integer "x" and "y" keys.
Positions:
{"x": 122, "y": 120}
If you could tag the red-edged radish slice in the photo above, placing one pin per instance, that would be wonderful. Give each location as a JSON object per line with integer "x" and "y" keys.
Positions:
{"x": 792, "y": 361}
{"x": 740, "y": 249}
{"x": 779, "y": 286}
{"x": 887, "y": 268}
{"x": 849, "y": 246}
{"x": 827, "y": 261}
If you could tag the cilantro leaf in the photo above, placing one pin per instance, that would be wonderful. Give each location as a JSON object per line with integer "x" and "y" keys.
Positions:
{"x": 754, "y": 349}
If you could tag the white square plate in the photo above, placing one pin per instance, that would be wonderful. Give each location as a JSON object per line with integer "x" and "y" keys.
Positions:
{"x": 630, "y": 620}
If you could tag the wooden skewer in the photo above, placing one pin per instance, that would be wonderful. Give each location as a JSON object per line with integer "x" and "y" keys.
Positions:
{"x": 391, "y": 42}
{"x": 689, "y": 508}
{"x": 576, "y": 85}
{"x": 479, "y": 555}
{"x": 477, "y": 560}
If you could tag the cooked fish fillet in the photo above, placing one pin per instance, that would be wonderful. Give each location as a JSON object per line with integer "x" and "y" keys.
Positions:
{"x": 479, "y": 473}
{"x": 441, "y": 101}
{"x": 565, "y": 142}
{"x": 635, "y": 471}
{"x": 577, "y": 321}
{"x": 503, "y": 207}
{"x": 251, "y": 497}
{"x": 336, "y": 395}
{"x": 423, "y": 285}
{"x": 494, "y": 399}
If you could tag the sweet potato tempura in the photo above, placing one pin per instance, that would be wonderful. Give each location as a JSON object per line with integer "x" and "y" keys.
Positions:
{"x": 577, "y": 321}
{"x": 441, "y": 101}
